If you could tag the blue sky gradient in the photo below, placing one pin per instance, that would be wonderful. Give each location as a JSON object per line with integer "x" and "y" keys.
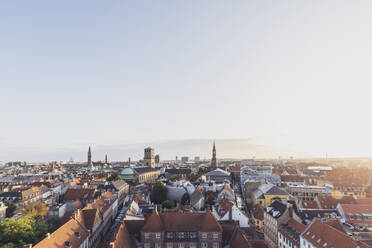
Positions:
{"x": 292, "y": 76}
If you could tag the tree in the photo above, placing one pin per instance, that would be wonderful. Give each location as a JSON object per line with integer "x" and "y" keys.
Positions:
{"x": 113, "y": 177}
{"x": 25, "y": 230}
{"x": 210, "y": 200}
{"x": 11, "y": 208}
{"x": 168, "y": 204}
{"x": 158, "y": 192}
{"x": 54, "y": 222}
{"x": 185, "y": 200}
{"x": 35, "y": 209}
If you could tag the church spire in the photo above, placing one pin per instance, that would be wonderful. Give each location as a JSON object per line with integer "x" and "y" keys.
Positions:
{"x": 214, "y": 159}
{"x": 89, "y": 156}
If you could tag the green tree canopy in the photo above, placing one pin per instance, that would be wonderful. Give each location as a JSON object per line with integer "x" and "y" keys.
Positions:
{"x": 11, "y": 208}
{"x": 25, "y": 230}
{"x": 158, "y": 192}
{"x": 168, "y": 204}
{"x": 185, "y": 200}
{"x": 113, "y": 177}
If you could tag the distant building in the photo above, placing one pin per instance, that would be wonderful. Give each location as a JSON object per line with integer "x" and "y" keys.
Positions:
{"x": 196, "y": 159}
{"x": 140, "y": 174}
{"x": 149, "y": 157}
{"x": 173, "y": 229}
{"x": 214, "y": 159}
{"x": 218, "y": 176}
{"x": 89, "y": 157}
{"x": 157, "y": 159}
{"x": 184, "y": 159}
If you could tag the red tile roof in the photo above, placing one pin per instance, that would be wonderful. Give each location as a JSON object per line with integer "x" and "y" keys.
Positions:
{"x": 258, "y": 212}
{"x": 71, "y": 231}
{"x": 321, "y": 235}
{"x": 175, "y": 221}
{"x": 121, "y": 238}
{"x": 79, "y": 194}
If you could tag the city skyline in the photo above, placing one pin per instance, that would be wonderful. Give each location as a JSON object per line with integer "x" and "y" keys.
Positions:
{"x": 288, "y": 80}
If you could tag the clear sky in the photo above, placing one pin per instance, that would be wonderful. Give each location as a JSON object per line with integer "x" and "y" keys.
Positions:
{"x": 263, "y": 78}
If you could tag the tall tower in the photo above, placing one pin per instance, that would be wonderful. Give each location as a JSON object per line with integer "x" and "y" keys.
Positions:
{"x": 89, "y": 156}
{"x": 149, "y": 157}
{"x": 214, "y": 159}
{"x": 106, "y": 159}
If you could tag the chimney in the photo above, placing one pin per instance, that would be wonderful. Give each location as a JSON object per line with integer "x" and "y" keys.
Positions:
{"x": 230, "y": 212}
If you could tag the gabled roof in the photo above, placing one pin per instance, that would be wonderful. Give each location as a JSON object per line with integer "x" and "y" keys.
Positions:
{"x": 218, "y": 172}
{"x": 141, "y": 170}
{"x": 176, "y": 221}
{"x": 239, "y": 239}
{"x": 121, "y": 238}
{"x": 78, "y": 194}
{"x": 276, "y": 191}
{"x": 321, "y": 235}
{"x": 276, "y": 209}
{"x": 119, "y": 184}
{"x": 153, "y": 223}
{"x": 72, "y": 231}
{"x": 258, "y": 212}
{"x": 195, "y": 197}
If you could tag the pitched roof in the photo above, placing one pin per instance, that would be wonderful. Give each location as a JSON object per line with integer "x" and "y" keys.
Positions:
{"x": 223, "y": 207}
{"x": 176, "y": 221}
{"x": 195, "y": 197}
{"x": 71, "y": 231}
{"x": 78, "y": 194}
{"x": 119, "y": 184}
{"x": 321, "y": 235}
{"x": 309, "y": 204}
{"x": 239, "y": 239}
{"x": 153, "y": 223}
{"x": 364, "y": 201}
{"x": 276, "y": 191}
{"x": 258, "y": 212}
{"x": 121, "y": 238}
{"x": 329, "y": 202}
{"x": 276, "y": 209}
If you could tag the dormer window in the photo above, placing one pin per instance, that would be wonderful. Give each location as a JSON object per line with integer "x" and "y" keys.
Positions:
{"x": 181, "y": 235}
{"x": 204, "y": 235}
{"x": 193, "y": 235}
{"x": 215, "y": 235}
{"x": 157, "y": 235}
{"x": 147, "y": 235}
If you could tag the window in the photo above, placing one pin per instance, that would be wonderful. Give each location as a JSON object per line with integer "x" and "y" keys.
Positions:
{"x": 170, "y": 235}
{"x": 157, "y": 245}
{"x": 215, "y": 245}
{"x": 204, "y": 245}
{"x": 147, "y": 245}
{"x": 192, "y": 245}
{"x": 147, "y": 235}
{"x": 215, "y": 235}
{"x": 157, "y": 235}
{"x": 169, "y": 245}
{"x": 181, "y": 245}
{"x": 181, "y": 235}
{"x": 193, "y": 235}
{"x": 204, "y": 235}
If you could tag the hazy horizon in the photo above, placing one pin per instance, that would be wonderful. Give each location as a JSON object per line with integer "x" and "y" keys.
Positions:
{"x": 262, "y": 78}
